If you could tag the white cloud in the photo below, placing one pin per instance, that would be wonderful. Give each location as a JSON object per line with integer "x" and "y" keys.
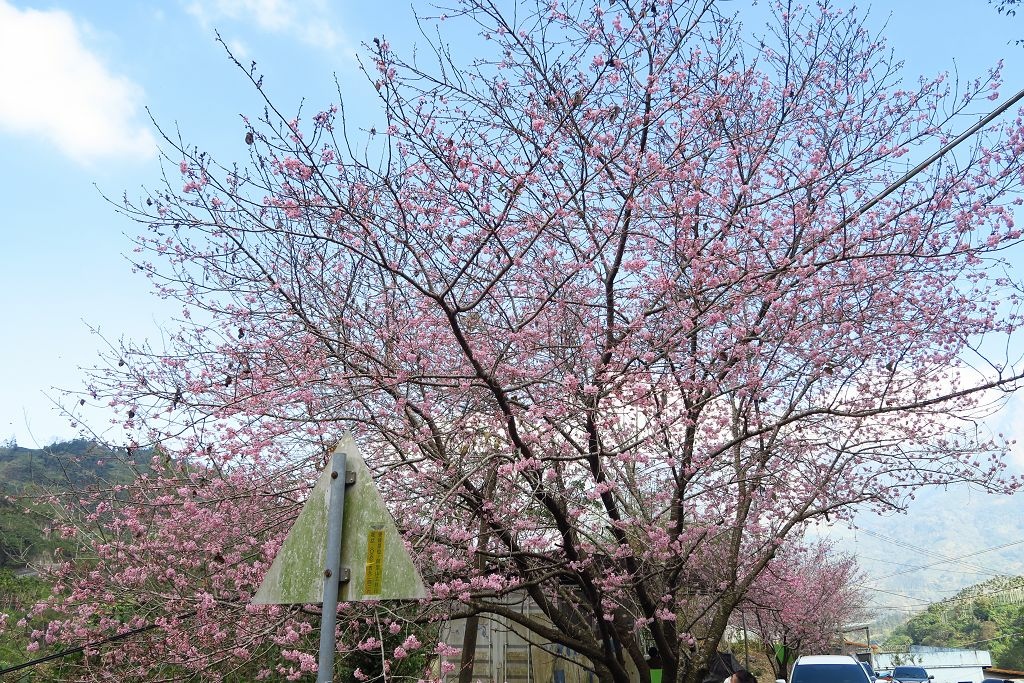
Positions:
{"x": 53, "y": 87}
{"x": 239, "y": 49}
{"x": 308, "y": 21}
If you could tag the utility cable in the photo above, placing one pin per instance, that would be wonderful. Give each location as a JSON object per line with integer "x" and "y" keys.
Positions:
{"x": 953, "y": 559}
{"x": 80, "y": 648}
{"x": 942, "y": 151}
{"x": 923, "y": 551}
{"x": 945, "y": 558}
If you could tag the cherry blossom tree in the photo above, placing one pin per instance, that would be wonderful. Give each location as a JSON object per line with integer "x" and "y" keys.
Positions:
{"x": 615, "y": 308}
{"x": 803, "y": 601}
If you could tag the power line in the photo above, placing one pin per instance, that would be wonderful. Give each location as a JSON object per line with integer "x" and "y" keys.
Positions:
{"x": 895, "y": 541}
{"x": 989, "y": 640}
{"x": 943, "y": 558}
{"x": 919, "y": 601}
{"x": 80, "y": 648}
{"x": 916, "y": 548}
{"x": 954, "y": 559}
{"x": 913, "y": 567}
{"x": 942, "y": 151}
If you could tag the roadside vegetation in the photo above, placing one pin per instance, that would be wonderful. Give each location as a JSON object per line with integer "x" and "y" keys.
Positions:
{"x": 28, "y": 478}
{"x": 986, "y": 616}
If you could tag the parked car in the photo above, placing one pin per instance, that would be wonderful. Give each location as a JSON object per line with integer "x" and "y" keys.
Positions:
{"x": 884, "y": 676}
{"x": 869, "y": 670}
{"x": 828, "y": 669}
{"x": 910, "y": 674}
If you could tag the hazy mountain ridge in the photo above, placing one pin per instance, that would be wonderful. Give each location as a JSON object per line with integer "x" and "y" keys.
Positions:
{"x": 950, "y": 539}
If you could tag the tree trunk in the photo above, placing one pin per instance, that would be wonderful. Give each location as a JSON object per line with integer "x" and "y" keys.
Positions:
{"x": 469, "y": 649}
{"x": 468, "y": 660}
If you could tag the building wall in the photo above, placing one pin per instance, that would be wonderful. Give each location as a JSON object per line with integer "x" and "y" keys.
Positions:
{"x": 507, "y": 653}
{"x": 946, "y": 665}
{"x": 503, "y": 655}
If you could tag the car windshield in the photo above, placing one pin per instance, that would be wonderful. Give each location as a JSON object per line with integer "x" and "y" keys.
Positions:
{"x": 828, "y": 673}
{"x": 909, "y": 672}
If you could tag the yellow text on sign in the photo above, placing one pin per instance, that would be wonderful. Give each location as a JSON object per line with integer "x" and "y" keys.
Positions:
{"x": 374, "y": 562}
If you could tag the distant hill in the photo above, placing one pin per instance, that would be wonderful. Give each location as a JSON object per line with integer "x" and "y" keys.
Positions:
{"x": 26, "y": 473}
{"x": 68, "y": 464}
{"x": 950, "y": 539}
{"x": 954, "y": 538}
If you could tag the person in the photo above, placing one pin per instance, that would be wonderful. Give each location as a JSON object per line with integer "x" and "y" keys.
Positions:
{"x": 655, "y": 664}
{"x": 721, "y": 667}
{"x": 558, "y": 669}
{"x": 741, "y": 676}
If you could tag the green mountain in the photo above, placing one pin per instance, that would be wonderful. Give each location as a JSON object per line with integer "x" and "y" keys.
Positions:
{"x": 986, "y": 616}
{"x": 27, "y": 475}
{"x": 66, "y": 465}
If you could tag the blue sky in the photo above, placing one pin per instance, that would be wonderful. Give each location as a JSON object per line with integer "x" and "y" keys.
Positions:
{"x": 76, "y": 79}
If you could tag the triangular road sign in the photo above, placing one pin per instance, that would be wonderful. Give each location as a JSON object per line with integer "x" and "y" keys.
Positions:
{"x": 378, "y": 565}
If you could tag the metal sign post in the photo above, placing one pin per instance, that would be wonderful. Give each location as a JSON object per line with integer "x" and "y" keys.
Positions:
{"x": 332, "y": 569}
